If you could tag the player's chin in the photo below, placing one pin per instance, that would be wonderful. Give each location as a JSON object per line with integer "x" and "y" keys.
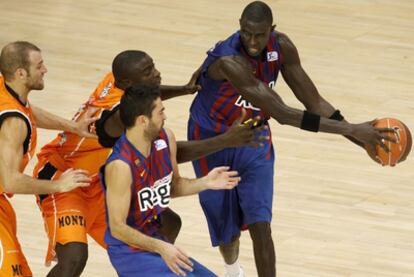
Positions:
{"x": 38, "y": 86}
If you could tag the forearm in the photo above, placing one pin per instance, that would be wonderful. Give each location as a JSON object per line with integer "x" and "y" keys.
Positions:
{"x": 196, "y": 149}
{"x": 20, "y": 183}
{"x": 273, "y": 104}
{"x": 47, "y": 120}
{"x": 325, "y": 109}
{"x": 132, "y": 237}
{"x": 185, "y": 186}
{"x": 168, "y": 92}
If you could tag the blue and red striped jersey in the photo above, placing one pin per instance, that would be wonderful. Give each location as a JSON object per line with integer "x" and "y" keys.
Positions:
{"x": 218, "y": 104}
{"x": 150, "y": 188}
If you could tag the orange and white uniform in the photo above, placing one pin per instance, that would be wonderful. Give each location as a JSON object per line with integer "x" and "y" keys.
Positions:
{"x": 12, "y": 260}
{"x": 71, "y": 215}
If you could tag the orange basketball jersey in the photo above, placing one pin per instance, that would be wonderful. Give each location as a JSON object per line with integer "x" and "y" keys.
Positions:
{"x": 68, "y": 150}
{"x": 10, "y": 105}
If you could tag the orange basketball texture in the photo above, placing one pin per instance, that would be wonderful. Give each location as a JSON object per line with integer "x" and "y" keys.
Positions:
{"x": 398, "y": 151}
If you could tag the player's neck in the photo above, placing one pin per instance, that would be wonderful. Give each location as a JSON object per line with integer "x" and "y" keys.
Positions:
{"x": 20, "y": 89}
{"x": 139, "y": 141}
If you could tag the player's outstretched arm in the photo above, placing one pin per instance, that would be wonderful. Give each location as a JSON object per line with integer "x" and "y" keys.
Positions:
{"x": 237, "y": 71}
{"x": 12, "y": 136}
{"x": 118, "y": 180}
{"x": 239, "y": 134}
{"x": 302, "y": 86}
{"x": 191, "y": 87}
{"x": 218, "y": 178}
{"x": 47, "y": 120}
{"x": 110, "y": 128}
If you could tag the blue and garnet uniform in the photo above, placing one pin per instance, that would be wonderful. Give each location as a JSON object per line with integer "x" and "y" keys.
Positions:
{"x": 150, "y": 196}
{"x": 212, "y": 112}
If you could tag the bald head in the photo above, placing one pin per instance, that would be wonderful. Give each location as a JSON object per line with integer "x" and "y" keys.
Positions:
{"x": 126, "y": 64}
{"x": 257, "y": 12}
{"x": 16, "y": 55}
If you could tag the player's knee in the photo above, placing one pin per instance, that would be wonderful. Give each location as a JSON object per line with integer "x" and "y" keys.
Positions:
{"x": 261, "y": 232}
{"x": 72, "y": 258}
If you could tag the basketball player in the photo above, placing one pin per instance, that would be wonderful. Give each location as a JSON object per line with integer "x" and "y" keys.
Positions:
{"x": 138, "y": 178}
{"x": 240, "y": 72}
{"x": 69, "y": 217}
{"x": 22, "y": 70}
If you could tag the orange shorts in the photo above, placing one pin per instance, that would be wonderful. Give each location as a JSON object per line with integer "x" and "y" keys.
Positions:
{"x": 70, "y": 216}
{"x": 12, "y": 260}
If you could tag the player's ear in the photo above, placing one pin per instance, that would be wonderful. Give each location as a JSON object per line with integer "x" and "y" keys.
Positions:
{"x": 20, "y": 73}
{"x": 141, "y": 120}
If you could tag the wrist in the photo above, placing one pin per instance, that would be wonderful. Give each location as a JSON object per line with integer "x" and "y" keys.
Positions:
{"x": 159, "y": 246}
{"x": 204, "y": 183}
{"x": 71, "y": 126}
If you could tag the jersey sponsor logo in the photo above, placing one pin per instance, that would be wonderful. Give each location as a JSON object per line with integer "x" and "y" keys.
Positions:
{"x": 105, "y": 91}
{"x": 272, "y": 56}
{"x": 245, "y": 104}
{"x": 17, "y": 269}
{"x": 159, "y": 194}
{"x": 70, "y": 220}
{"x": 160, "y": 144}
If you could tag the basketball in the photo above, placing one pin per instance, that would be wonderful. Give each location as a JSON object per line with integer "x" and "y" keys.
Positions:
{"x": 399, "y": 150}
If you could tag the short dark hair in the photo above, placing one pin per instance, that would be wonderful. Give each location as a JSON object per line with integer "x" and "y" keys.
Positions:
{"x": 136, "y": 101}
{"x": 125, "y": 64}
{"x": 15, "y": 55}
{"x": 257, "y": 11}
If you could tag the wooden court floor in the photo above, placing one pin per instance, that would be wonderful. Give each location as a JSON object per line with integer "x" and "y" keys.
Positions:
{"x": 336, "y": 212}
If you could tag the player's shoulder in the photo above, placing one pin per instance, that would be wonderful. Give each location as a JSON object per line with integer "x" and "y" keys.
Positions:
{"x": 14, "y": 126}
{"x": 283, "y": 39}
{"x": 169, "y": 133}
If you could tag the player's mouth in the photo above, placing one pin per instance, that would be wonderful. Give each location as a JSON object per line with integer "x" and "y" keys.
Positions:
{"x": 253, "y": 51}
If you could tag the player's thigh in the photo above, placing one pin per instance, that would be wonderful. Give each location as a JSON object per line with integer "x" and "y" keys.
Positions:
{"x": 97, "y": 213}
{"x": 255, "y": 191}
{"x": 12, "y": 260}
{"x": 130, "y": 263}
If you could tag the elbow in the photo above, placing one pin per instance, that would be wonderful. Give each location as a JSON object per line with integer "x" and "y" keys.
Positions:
{"x": 116, "y": 230}
{"x": 8, "y": 187}
{"x": 8, "y": 184}
{"x": 173, "y": 193}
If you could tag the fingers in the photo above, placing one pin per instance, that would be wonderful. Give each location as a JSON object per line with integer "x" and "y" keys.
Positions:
{"x": 240, "y": 119}
{"x": 385, "y": 130}
{"x": 394, "y": 140}
{"x": 233, "y": 182}
{"x": 384, "y": 146}
{"x": 82, "y": 185}
{"x": 90, "y": 120}
{"x": 221, "y": 169}
{"x": 184, "y": 261}
{"x": 176, "y": 269}
{"x": 256, "y": 144}
{"x": 260, "y": 129}
{"x": 79, "y": 171}
{"x": 67, "y": 171}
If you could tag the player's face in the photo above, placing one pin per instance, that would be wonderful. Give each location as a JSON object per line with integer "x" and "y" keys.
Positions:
{"x": 156, "y": 121}
{"x": 255, "y": 36}
{"x": 37, "y": 69}
{"x": 148, "y": 75}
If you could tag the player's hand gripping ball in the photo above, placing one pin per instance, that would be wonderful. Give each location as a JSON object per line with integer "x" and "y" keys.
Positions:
{"x": 399, "y": 150}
